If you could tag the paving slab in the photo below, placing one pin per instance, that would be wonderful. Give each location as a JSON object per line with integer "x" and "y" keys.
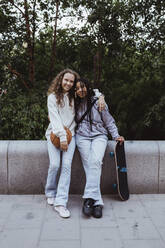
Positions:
{"x": 162, "y": 233}
{"x": 61, "y": 229}
{"x": 137, "y": 229}
{"x": 100, "y": 237}
{"x": 20, "y": 238}
{"x": 60, "y": 244}
{"x": 27, "y": 221}
{"x": 25, "y": 218}
{"x": 129, "y": 209}
{"x": 143, "y": 244}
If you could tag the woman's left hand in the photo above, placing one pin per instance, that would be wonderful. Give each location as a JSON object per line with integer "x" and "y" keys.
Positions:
{"x": 120, "y": 139}
{"x": 101, "y": 103}
{"x": 64, "y": 146}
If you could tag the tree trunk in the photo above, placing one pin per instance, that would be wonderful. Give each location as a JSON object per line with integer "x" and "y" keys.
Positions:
{"x": 53, "y": 54}
{"x": 97, "y": 66}
{"x": 98, "y": 59}
{"x": 33, "y": 37}
{"x": 30, "y": 45}
{"x": 30, "y": 42}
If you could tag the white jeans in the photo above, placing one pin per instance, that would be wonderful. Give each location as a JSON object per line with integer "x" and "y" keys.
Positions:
{"x": 59, "y": 192}
{"x": 92, "y": 152}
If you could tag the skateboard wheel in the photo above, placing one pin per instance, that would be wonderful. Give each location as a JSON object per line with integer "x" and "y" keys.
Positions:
{"x": 111, "y": 154}
{"x": 123, "y": 169}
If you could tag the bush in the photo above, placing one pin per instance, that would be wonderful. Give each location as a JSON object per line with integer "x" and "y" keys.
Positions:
{"x": 23, "y": 117}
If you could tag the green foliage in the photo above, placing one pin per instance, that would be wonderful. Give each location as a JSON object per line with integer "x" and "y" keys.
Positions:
{"x": 129, "y": 36}
{"x": 23, "y": 116}
{"x": 154, "y": 120}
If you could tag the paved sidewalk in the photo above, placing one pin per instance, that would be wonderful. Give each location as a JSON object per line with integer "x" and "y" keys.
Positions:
{"x": 26, "y": 221}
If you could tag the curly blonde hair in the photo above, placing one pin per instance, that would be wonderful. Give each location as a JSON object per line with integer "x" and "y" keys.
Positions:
{"x": 56, "y": 86}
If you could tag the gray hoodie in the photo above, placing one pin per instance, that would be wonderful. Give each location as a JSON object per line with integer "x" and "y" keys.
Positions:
{"x": 102, "y": 122}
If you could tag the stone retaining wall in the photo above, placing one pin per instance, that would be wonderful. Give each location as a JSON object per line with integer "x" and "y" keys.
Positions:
{"x": 24, "y": 166}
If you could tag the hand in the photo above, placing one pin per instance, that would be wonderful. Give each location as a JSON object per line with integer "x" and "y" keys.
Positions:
{"x": 64, "y": 146}
{"x": 101, "y": 103}
{"x": 120, "y": 139}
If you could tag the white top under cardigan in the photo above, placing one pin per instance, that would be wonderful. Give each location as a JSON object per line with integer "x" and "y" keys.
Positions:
{"x": 61, "y": 116}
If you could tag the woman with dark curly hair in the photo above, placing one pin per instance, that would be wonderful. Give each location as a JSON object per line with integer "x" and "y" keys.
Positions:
{"x": 61, "y": 113}
{"x": 91, "y": 139}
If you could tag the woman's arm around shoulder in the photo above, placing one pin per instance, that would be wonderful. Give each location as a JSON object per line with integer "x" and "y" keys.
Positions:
{"x": 101, "y": 100}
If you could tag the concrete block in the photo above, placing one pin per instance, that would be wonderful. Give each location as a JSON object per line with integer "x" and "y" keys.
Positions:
{"x": 161, "y": 145}
{"x": 108, "y": 177}
{"x": 3, "y": 166}
{"x": 27, "y": 166}
{"x": 24, "y": 166}
{"x": 77, "y": 175}
{"x": 143, "y": 166}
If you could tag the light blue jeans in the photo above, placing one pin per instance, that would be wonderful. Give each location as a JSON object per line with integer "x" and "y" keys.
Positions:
{"x": 59, "y": 191}
{"x": 92, "y": 152}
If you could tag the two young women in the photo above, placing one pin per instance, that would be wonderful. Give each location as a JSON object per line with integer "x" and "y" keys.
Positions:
{"x": 61, "y": 111}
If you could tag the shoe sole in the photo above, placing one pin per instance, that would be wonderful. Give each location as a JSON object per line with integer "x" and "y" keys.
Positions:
{"x": 97, "y": 217}
{"x": 50, "y": 204}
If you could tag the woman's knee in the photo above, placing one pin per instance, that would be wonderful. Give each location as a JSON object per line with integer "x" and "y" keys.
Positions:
{"x": 96, "y": 163}
{"x": 66, "y": 170}
{"x": 67, "y": 163}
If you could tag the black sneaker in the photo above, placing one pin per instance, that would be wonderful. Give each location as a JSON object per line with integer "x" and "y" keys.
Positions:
{"x": 88, "y": 207}
{"x": 97, "y": 211}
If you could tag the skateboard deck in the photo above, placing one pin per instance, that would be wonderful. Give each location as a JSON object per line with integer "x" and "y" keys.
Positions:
{"x": 121, "y": 171}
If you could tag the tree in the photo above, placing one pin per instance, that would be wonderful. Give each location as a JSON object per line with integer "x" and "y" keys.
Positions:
{"x": 118, "y": 46}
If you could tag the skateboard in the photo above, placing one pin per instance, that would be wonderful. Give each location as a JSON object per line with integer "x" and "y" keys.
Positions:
{"x": 121, "y": 171}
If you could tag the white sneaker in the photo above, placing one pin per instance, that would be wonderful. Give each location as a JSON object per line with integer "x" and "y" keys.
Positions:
{"x": 50, "y": 200}
{"x": 63, "y": 212}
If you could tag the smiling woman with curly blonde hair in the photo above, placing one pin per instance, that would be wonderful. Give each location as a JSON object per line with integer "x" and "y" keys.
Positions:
{"x": 56, "y": 86}
{"x": 61, "y": 114}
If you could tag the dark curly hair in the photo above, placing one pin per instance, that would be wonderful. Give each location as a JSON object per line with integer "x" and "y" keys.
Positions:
{"x": 90, "y": 93}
